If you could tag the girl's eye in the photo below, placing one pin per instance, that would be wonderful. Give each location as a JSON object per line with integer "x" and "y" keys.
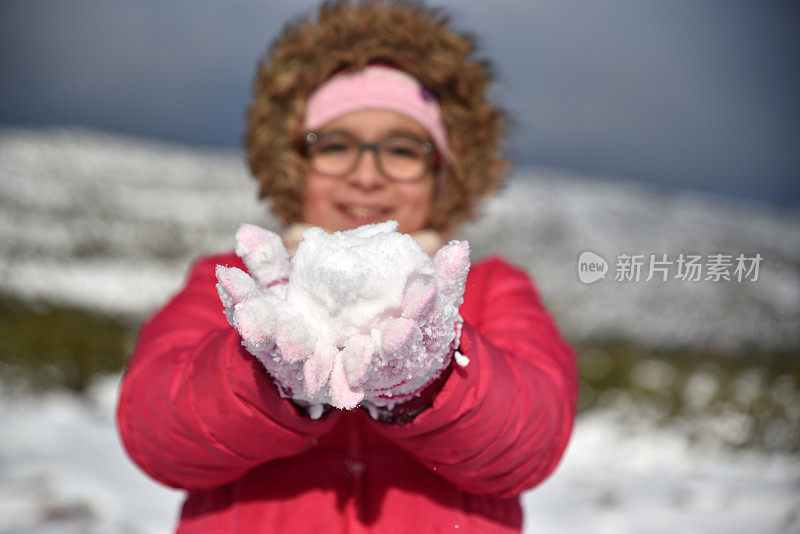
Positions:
{"x": 404, "y": 149}
{"x": 333, "y": 147}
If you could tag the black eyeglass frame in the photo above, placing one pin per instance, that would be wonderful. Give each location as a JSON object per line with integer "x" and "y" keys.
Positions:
{"x": 311, "y": 138}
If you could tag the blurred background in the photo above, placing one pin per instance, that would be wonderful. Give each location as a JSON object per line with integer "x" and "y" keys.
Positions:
{"x": 640, "y": 128}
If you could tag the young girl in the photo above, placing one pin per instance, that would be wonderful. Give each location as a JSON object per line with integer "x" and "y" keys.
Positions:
{"x": 371, "y": 112}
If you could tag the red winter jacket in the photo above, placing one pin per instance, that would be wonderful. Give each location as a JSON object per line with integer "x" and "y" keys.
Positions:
{"x": 197, "y": 411}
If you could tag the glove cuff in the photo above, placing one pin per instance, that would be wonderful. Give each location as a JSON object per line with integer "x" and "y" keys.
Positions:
{"x": 403, "y": 408}
{"x": 406, "y": 411}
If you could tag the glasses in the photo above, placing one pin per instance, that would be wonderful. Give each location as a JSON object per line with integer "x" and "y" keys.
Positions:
{"x": 401, "y": 158}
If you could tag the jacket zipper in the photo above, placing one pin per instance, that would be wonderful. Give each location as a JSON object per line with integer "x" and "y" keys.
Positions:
{"x": 354, "y": 464}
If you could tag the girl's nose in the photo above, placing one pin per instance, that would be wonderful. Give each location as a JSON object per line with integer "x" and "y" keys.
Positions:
{"x": 366, "y": 174}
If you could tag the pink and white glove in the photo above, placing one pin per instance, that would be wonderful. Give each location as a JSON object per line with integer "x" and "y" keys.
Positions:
{"x": 361, "y": 316}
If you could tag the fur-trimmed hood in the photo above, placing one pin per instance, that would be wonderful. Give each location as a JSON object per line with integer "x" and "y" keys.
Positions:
{"x": 348, "y": 36}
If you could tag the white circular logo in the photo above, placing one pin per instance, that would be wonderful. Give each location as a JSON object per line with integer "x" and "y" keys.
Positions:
{"x": 591, "y": 267}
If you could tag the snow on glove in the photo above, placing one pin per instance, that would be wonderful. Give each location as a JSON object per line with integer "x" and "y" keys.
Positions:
{"x": 363, "y": 315}
{"x": 256, "y": 306}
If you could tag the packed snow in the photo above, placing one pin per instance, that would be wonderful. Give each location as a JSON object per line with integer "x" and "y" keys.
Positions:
{"x": 125, "y": 217}
{"x": 359, "y": 315}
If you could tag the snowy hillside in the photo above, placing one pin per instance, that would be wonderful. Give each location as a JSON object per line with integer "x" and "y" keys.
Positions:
{"x": 111, "y": 223}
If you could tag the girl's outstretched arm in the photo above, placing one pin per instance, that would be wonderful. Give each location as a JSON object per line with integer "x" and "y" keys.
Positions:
{"x": 196, "y": 410}
{"x": 500, "y": 424}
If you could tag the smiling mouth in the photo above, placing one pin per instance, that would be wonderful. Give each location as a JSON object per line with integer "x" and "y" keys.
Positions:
{"x": 363, "y": 213}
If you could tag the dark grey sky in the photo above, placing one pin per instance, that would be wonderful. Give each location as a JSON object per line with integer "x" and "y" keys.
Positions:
{"x": 677, "y": 93}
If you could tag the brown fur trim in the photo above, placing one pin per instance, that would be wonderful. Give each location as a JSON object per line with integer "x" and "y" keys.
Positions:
{"x": 348, "y": 35}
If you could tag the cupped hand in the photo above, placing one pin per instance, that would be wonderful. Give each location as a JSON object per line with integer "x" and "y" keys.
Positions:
{"x": 361, "y": 316}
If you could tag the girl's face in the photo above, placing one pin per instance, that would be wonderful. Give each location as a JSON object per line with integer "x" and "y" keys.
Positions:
{"x": 365, "y": 195}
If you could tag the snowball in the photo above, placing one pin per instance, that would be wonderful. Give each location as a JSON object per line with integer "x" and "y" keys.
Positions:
{"x": 345, "y": 279}
{"x": 363, "y": 313}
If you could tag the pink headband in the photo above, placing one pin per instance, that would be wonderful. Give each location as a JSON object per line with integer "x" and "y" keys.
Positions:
{"x": 379, "y": 86}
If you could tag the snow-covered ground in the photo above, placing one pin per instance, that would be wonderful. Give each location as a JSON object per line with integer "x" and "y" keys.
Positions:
{"x": 110, "y": 224}
{"x": 619, "y": 480}
{"x": 62, "y": 470}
